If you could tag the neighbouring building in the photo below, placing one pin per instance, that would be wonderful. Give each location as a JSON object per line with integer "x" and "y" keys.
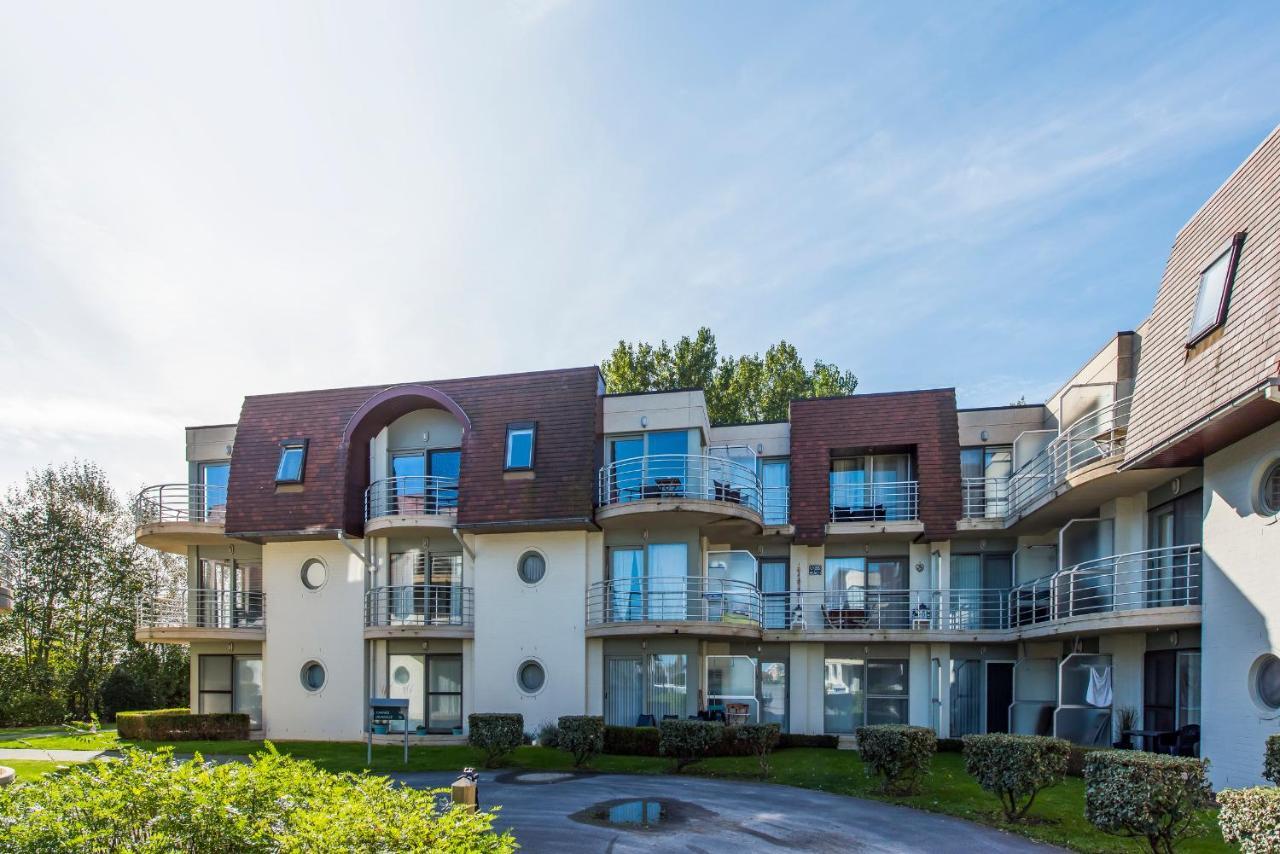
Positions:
{"x": 533, "y": 543}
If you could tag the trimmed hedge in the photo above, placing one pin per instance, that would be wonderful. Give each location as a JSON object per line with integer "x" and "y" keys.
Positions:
{"x": 497, "y": 734}
{"x": 181, "y": 725}
{"x": 631, "y": 740}
{"x": 1271, "y": 759}
{"x": 789, "y": 740}
{"x": 1251, "y": 817}
{"x": 581, "y": 735}
{"x": 900, "y": 755}
{"x": 1016, "y": 767}
{"x": 645, "y": 741}
{"x": 687, "y": 741}
{"x": 1146, "y": 795}
{"x": 760, "y": 739}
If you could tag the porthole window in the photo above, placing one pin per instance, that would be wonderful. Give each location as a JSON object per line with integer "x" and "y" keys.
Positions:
{"x": 1266, "y": 682}
{"x": 401, "y": 675}
{"x": 1269, "y": 493}
{"x": 313, "y": 676}
{"x": 531, "y": 677}
{"x": 531, "y": 567}
{"x": 314, "y": 574}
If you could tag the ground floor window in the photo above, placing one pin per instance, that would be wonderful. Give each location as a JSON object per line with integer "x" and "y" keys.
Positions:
{"x": 857, "y": 691}
{"x": 740, "y": 688}
{"x": 433, "y": 686}
{"x": 1171, "y": 689}
{"x": 655, "y": 685}
{"x": 230, "y": 683}
{"x": 731, "y": 688}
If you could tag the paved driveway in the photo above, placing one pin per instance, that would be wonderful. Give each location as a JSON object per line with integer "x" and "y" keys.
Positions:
{"x": 564, "y": 814}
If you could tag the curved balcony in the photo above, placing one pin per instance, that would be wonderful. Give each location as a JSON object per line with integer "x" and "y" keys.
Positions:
{"x": 411, "y": 502}
{"x": 419, "y": 610}
{"x": 172, "y": 516}
{"x": 1155, "y": 587}
{"x": 710, "y": 488}
{"x": 201, "y": 615}
{"x": 646, "y": 605}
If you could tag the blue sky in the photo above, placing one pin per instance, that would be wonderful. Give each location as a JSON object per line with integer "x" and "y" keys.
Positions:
{"x": 197, "y": 203}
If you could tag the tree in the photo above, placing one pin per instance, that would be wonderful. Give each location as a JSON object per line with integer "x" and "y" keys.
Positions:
{"x": 742, "y": 388}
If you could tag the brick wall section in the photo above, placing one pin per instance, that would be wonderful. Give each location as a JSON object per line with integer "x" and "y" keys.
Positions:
{"x": 925, "y": 420}
{"x": 564, "y": 404}
{"x": 1176, "y": 388}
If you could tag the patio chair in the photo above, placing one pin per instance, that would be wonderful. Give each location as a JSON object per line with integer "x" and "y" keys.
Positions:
{"x": 646, "y": 720}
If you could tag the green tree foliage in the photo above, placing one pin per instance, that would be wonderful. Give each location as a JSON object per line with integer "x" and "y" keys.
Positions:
{"x": 77, "y": 574}
{"x": 738, "y": 388}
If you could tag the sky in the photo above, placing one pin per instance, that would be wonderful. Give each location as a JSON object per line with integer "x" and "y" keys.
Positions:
{"x": 204, "y": 201}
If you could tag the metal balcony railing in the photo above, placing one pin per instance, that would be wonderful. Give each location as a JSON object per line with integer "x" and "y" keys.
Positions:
{"x": 701, "y": 476}
{"x": 872, "y": 609}
{"x": 777, "y": 505}
{"x": 1097, "y": 436}
{"x": 985, "y": 497}
{"x": 180, "y": 502}
{"x": 203, "y": 609}
{"x": 894, "y": 501}
{"x": 6, "y": 594}
{"x": 1136, "y": 581}
{"x": 419, "y": 605}
{"x": 664, "y": 599}
{"x": 413, "y": 495}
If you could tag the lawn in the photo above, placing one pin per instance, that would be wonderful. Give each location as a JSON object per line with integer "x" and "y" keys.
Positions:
{"x": 30, "y": 769}
{"x": 1058, "y": 812}
{"x": 56, "y": 738}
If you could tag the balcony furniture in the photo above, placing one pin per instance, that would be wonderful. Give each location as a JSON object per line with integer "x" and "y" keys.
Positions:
{"x": 1184, "y": 741}
{"x": 844, "y": 618}
{"x": 646, "y": 720}
{"x": 725, "y": 492}
{"x": 1150, "y": 737}
{"x": 671, "y": 717}
{"x": 736, "y": 714}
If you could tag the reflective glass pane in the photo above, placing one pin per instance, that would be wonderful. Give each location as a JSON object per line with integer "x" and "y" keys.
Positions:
{"x": 215, "y": 673}
{"x": 290, "y": 468}
{"x": 248, "y": 689}
{"x": 215, "y": 704}
{"x": 886, "y": 677}
{"x": 520, "y": 448}
{"x": 842, "y": 695}
{"x": 445, "y": 711}
{"x": 446, "y": 674}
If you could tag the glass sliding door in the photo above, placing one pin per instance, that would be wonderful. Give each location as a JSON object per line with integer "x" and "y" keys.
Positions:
{"x": 886, "y": 692}
{"x": 849, "y": 497}
{"x": 215, "y": 682}
{"x": 246, "y": 693}
{"x": 445, "y": 466}
{"x": 626, "y": 456}
{"x": 775, "y": 476}
{"x": 731, "y": 688}
{"x": 997, "y": 466}
{"x": 773, "y": 589}
{"x": 668, "y": 686}
{"x": 966, "y": 697}
{"x": 623, "y": 689}
{"x": 666, "y": 464}
{"x": 444, "y": 693}
{"x": 213, "y": 478}
{"x": 773, "y": 693}
{"x": 891, "y": 499}
{"x": 1188, "y": 699}
{"x": 409, "y": 489}
{"x": 626, "y": 573}
{"x": 844, "y": 604}
{"x": 668, "y": 568}
{"x": 887, "y": 583}
{"x": 843, "y": 695}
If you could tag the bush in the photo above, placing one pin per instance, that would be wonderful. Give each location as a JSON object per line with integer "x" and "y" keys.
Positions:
{"x": 30, "y": 709}
{"x": 1251, "y": 817}
{"x": 1015, "y": 767}
{"x": 631, "y": 740}
{"x": 687, "y": 741}
{"x": 789, "y": 740}
{"x": 181, "y": 725}
{"x": 548, "y": 735}
{"x": 583, "y": 736}
{"x": 1146, "y": 795}
{"x": 496, "y": 734}
{"x": 1271, "y": 759}
{"x": 899, "y": 755}
{"x": 760, "y": 739}
{"x": 148, "y": 802}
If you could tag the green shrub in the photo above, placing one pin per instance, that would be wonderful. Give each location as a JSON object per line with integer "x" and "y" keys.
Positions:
{"x": 760, "y": 739}
{"x": 1271, "y": 759}
{"x": 146, "y": 802}
{"x": 631, "y": 740}
{"x": 31, "y": 709}
{"x": 1015, "y": 767}
{"x": 1077, "y": 758}
{"x": 790, "y": 740}
{"x": 548, "y": 734}
{"x": 687, "y": 741}
{"x": 899, "y": 755}
{"x": 1146, "y": 795}
{"x": 496, "y": 734}
{"x": 1251, "y": 817}
{"x": 181, "y": 725}
{"x": 583, "y": 736}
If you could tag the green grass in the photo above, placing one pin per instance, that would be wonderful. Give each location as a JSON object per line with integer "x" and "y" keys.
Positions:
{"x": 55, "y": 738}
{"x": 1058, "y": 814}
{"x": 30, "y": 769}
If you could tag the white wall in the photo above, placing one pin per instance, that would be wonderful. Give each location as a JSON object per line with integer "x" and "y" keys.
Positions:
{"x": 326, "y": 625}
{"x": 1241, "y": 608}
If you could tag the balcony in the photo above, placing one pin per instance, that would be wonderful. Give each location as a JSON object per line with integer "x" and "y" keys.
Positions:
{"x": 985, "y": 501}
{"x": 709, "y": 488}
{"x": 777, "y": 506}
{"x": 884, "y": 507}
{"x": 644, "y": 605}
{"x": 419, "y": 610}
{"x": 895, "y": 613}
{"x": 201, "y": 615}
{"x": 411, "y": 502}
{"x": 172, "y": 516}
{"x": 1159, "y": 587}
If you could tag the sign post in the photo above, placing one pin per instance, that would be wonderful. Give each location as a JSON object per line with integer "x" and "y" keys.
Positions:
{"x": 384, "y": 710}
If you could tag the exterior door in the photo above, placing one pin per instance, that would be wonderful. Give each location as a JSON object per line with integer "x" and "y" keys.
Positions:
{"x": 623, "y": 689}
{"x": 776, "y": 478}
{"x": 773, "y": 588}
{"x": 999, "y": 695}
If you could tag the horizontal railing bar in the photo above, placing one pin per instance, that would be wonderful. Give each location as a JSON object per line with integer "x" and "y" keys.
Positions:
{"x": 698, "y": 476}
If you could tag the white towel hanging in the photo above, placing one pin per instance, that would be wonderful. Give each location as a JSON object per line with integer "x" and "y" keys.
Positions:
{"x": 1099, "y": 691}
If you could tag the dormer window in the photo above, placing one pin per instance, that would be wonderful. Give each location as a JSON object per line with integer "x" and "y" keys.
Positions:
{"x": 293, "y": 461}
{"x": 1215, "y": 291}
{"x": 520, "y": 442}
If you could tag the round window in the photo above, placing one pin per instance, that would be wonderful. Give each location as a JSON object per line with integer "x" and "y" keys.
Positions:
{"x": 1269, "y": 494}
{"x": 314, "y": 574}
{"x": 313, "y": 676}
{"x": 1266, "y": 682}
{"x": 401, "y": 676}
{"x": 531, "y": 567}
{"x": 531, "y": 677}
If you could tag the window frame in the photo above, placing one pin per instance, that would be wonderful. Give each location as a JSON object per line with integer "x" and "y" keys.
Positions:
{"x": 1232, "y": 252}
{"x": 515, "y": 428}
{"x": 287, "y": 445}
{"x": 1261, "y": 496}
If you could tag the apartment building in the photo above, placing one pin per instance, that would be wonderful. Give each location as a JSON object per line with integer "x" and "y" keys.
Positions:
{"x": 534, "y": 543}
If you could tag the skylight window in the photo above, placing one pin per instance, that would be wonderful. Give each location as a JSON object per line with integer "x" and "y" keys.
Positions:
{"x": 1215, "y": 291}
{"x": 293, "y": 461}
{"x": 520, "y": 438}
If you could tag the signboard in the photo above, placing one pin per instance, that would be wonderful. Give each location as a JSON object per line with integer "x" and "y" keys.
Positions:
{"x": 383, "y": 710}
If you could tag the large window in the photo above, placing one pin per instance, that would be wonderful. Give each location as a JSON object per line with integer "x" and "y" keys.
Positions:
{"x": 1214, "y": 291}
{"x": 775, "y": 477}
{"x": 636, "y": 685}
{"x": 433, "y": 686}
{"x": 213, "y": 480}
{"x": 228, "y": 593}
{"x": 872, "y": 488}
{"x": 230, "y": 683}
{"x": 425, "y": 481}
{"x": 648, "y": 465}
{"x": 857, "y": 691}
{"x": 984, "y": 474}
{"x": 649, "y": 583}
{"x": 520, "y": 446}
{"x": 731, "y": 688}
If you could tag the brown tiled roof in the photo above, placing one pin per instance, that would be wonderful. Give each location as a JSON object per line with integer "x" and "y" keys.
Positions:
{"x": 563, "y": 403}
{"x": 925, "y": 420}
{"x": 1177, "y": 387}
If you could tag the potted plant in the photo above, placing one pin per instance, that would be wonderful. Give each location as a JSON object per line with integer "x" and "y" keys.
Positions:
{"x": 379, "y": 729}
{"x": 1126, "y": 721}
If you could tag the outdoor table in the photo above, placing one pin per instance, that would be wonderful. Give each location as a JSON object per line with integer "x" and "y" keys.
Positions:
{"x": 1148, "y": 736}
